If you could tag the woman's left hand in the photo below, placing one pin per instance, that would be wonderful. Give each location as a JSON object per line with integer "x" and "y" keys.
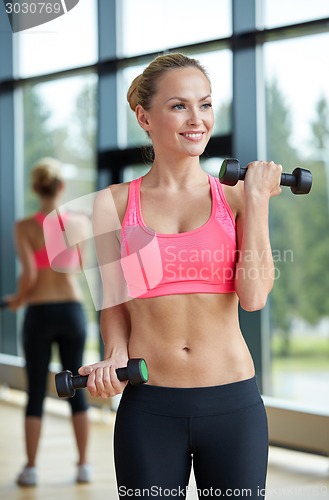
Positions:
{"x": 263, "y": 178}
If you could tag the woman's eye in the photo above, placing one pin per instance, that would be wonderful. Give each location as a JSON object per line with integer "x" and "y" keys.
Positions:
{"x": 206, "y": 105}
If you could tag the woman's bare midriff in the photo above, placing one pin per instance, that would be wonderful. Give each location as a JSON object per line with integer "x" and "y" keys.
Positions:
{"x": 191, "y": 340}
{"x": 51, "y": 286}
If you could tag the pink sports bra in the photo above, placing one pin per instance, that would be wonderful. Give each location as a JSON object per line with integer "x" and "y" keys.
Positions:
{"x": 66, "y": 258}
{"x": 202, "y": 260}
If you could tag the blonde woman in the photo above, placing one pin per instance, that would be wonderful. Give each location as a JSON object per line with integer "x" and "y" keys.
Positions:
{"x": 185, "y": 247}
{"x": 54, "y": 314}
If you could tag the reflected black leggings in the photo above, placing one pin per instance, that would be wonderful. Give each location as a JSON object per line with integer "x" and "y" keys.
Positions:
{"x": 160, "y": 431}
{"x": 45, "y": 324}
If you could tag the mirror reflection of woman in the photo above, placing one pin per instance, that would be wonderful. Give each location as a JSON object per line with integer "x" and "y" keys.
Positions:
{"x": 54, "y": 314}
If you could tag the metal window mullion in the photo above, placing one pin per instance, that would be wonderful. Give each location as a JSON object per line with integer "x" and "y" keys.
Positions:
{"x": 107, "y": 84}
{"x": 8, "y": 328}
{"x": 248, "y": 136}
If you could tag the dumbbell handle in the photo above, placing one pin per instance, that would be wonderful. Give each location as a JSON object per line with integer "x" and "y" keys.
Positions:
{"x": 289, "y": 180}
{"x": 80, "y": 381}
{"x": 66, "y": 384}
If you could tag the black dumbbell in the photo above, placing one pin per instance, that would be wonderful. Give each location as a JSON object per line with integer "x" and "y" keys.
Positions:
{"x": 299, "y": 181}
{"x": 136, "y": 372}
{"x": 3, "y": 304}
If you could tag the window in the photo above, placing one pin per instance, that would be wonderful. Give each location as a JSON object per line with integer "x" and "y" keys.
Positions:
{"x": 301, "y": 78}
{"x": 299, "y": 135}
{"x": 60, "y": 121}
{"x": 132, "y": 172}
{"x": 284, "y": 12}
{"x": 68, "y": 41}
{"x": 130, "y": 133}
{"x": 219, "y": 66}
{"x": 167, "y": 23}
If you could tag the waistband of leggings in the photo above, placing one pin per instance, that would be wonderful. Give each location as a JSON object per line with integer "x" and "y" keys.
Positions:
{"x": 195, "y": 401}
{"x": 54, "y": 305}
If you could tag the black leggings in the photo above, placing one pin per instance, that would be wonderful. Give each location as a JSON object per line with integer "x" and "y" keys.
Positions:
{"x": 45, "y": 324}
{"x": 159, "y": 431}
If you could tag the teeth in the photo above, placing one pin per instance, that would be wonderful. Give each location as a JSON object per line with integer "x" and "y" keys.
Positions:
{"x": 193, "y": 136}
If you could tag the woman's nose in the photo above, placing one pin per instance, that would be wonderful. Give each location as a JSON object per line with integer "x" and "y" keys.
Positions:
{"x": 194, "y": 117}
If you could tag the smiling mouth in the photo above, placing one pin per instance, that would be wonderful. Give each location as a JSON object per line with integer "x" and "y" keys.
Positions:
{"x": 194, "y": 136}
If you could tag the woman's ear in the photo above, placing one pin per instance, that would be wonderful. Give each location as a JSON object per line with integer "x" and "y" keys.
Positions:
{"x": 142, "y": 117}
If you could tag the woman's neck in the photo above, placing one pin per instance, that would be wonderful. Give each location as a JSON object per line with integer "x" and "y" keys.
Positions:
{"x": 47, "y": 205}
{"x": 174, "y": 174}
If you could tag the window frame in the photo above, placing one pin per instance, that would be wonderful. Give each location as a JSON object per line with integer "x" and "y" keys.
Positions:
{"x": 244, "y": 142}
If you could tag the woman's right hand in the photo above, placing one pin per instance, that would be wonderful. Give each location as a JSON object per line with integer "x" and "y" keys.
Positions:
{"x": 102, "y": 378}
{"x": 13, "y": 302}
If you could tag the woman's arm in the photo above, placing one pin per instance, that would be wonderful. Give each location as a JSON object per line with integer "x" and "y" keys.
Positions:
{"x": 28, "y": 273}
{"x": 115, "y": 319}
{"x": 255, "y": 269}
{"x": 115, "y": 331}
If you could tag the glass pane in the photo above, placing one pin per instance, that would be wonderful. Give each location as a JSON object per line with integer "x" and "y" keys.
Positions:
{"x": 284, "y": 12}
{"x": 298, "y": 134}
{"x": 132, "y": 172}
{"x": 167, "y": 23}
{"x": 130, "y": 133}
{"x": 212, "y": 165}
{"x": 66, "y": 42}
{"x": 60, "y": 121}
{"x": 209, "y": 165}
{"x": 219, "y": 66}
{"x": 298, "y": 68}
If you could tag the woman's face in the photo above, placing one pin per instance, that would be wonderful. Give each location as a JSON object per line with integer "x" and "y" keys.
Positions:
{"x": 181, "y": 117}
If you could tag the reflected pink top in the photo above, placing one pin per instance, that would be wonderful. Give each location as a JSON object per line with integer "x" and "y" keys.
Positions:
{"x": 56, "y": 254}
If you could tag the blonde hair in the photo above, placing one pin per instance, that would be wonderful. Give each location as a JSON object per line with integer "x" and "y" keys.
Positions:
{"x": 46, "y": 177}
{"x": 144, "y": 86}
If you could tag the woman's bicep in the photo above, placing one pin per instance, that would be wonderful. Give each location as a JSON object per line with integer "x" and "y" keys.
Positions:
{"x": 106, "y": 230}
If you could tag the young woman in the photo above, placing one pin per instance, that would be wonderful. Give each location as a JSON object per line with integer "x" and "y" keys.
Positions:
{"x": 191, "y": 250}
{"x": 54, "y": 315}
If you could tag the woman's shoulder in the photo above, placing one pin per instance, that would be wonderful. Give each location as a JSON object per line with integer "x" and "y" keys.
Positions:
{"x": 26, "y": 231}
{"x": 115, "y": 196}
{"x": 119, "y": 191}
{"x": 23, "y": 225}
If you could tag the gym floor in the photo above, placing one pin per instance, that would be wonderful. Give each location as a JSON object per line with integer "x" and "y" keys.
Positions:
{"x": 292, "y": 475}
